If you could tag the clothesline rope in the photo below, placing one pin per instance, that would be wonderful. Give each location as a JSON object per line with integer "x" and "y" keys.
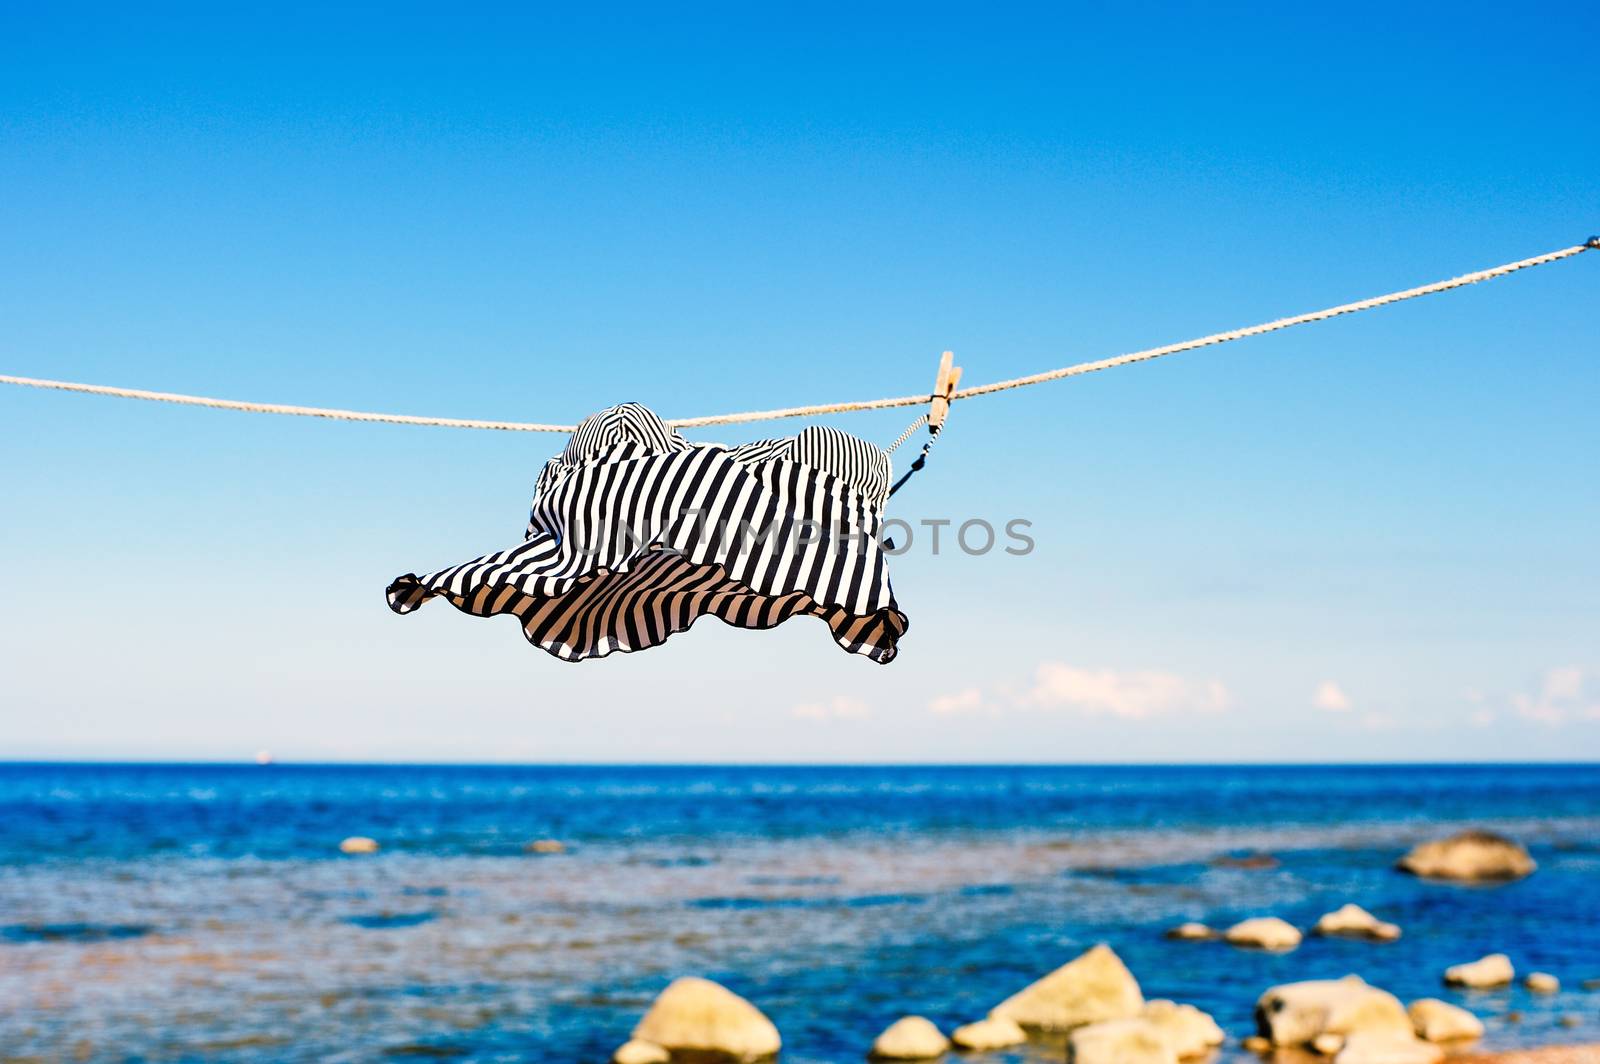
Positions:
{"x": 907, "y": 434}
{"x": 1076, "y": 370}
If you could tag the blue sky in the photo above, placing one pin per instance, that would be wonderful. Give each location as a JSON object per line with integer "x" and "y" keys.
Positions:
{"x": 1368, "y": 539}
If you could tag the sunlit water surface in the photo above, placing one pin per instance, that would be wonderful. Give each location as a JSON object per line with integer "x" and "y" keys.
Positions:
{"x": 205, "y": 913}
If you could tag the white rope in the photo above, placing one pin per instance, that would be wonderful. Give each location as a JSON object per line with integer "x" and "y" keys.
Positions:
{"x": 906, "y": 435}
{"x": 279, "y": 408}
{"x": 828, "y": 408}
{"x": 1282, "y": 323}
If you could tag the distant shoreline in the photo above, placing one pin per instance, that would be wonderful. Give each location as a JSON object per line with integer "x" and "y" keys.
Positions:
{"x": 251, "y": 762}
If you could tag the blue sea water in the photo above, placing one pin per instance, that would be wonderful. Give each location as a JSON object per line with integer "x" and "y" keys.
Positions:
{"x": 204, "y": 912}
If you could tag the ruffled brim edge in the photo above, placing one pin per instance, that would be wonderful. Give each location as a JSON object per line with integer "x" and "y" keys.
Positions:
{"x": 408, "y": 593}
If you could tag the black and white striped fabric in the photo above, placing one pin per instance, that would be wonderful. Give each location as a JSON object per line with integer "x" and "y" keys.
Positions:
{"x": 635, "y": 533}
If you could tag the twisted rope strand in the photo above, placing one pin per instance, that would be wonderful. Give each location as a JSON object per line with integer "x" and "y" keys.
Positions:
{"x": 906, "y": 435}
{"x": 1282, "y": 323}
{"x": 279, "y": 408}
{"x": 827, "y": 408}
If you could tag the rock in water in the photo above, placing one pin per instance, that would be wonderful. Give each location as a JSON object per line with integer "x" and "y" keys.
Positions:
{"x": 1481, "y": 974}
{"x": 1440, "y": 1021}
{"x": 1120, "y": 1042}
{"x": 1190, "y": 1032}
{"x": 996, "y": 1032}
{"x": 1093, "y": 987}
{"x": 635, "y": 1051}
{"x": 1263, "y": 932}
{"x": 697, "y": 1015}
{"x": 1294, "y": 1014}
{"x": 358, "y": 844}
{"x": 1352, "y": 921}
{"x": 545, "y": 846}
{"x": 910, "y": 1038}
{"x": 1542, "y": 983}
{"x": 1254, "y": 862}
{"x": 1369, "y": 1048}
{"x": 1191, "y": 932}
{"x": 1469, "y": 857}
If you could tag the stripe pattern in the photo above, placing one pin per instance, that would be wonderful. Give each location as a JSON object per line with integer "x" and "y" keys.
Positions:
{"x": 635, "y": 533}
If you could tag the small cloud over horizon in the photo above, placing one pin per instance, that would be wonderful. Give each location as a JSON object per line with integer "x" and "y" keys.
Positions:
{"x": 969, "y": 700}
{"x": 1130, "y": 695}
{"x": 1331, "y": 698}
{"x": 1566, "y": 692}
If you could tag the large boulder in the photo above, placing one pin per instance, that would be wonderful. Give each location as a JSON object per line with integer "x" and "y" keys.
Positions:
{"x": 1481, "y": 974}
{"x": 1440, "y": 1021}
{"x": 699, "y": 1016}
{"x": 1190, "y": 1032}
{"x": 635, "y": 1051}
{"x": 1469, "y": 857}
{"x": 1094, "y": 986}
{"x": 1295, "y": 1014}
{"x": 1352, "y": 921}
{"x": 996, "y": 1032}
{"x": 1120, "y": 1042}
{"x": 910, "y": 1038}
{"x": 1263, "y": 932}
{"x": 1377, "y": 1048}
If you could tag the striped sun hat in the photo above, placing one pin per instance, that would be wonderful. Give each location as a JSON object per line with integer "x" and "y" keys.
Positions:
{"x": 636, "y": 532}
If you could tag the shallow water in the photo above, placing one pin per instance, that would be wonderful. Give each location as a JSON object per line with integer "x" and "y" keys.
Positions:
{"x": 204, "y": 912}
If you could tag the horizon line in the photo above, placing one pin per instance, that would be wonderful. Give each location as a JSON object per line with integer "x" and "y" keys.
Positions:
{"x": 251, "y": 762}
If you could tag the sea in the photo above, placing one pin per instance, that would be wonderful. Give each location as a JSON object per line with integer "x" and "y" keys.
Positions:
{"x": 205, "y": 912}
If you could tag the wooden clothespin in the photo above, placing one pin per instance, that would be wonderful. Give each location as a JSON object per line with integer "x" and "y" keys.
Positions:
{"x": 944, "y": 386}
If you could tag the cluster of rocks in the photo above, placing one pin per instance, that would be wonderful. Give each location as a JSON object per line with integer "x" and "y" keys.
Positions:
{"x": 1466, "y": 857}
{"x": 1356, "y": 1023}
{"x": 1095, "y": 1002}
{"x": 1495, "y": 970}
{"x": 1277, "y": 935}
{"x": 1093, "y": 999}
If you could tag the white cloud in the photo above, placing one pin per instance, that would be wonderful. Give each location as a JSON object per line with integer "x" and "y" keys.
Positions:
{"x": 1564, "y": 692}
{"x": 966, "y": 701}
{"x": 1132, "y": 695}
{"x": 1482, "y": 718}
{"x": 1331, "y": 697}
{"x": 839, "y": 707}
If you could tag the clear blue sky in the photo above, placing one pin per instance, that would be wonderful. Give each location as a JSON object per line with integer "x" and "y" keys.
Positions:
{"x": 1371, "y": 538}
